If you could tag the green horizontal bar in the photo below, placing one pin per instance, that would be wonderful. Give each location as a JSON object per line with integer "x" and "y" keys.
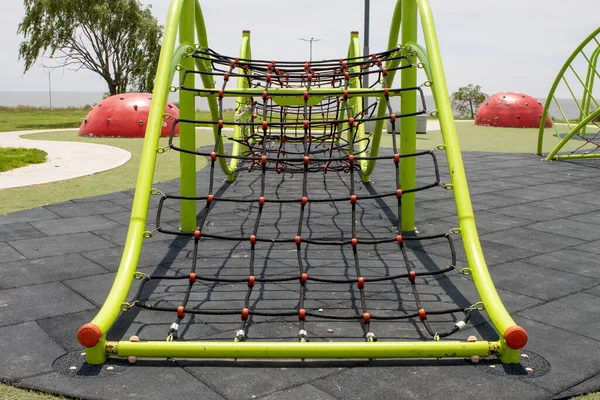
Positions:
{"x": 362, "y": 92}
{"x": 575, "y": 156}
{"x": 303, "y": 350}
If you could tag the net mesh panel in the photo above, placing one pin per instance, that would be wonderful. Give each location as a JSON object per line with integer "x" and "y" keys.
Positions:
{"x": 298, "y": 247}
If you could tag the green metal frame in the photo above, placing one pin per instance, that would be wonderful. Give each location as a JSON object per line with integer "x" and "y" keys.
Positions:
{"x": 186, "y": 15}
{"x": 587, "y": 111}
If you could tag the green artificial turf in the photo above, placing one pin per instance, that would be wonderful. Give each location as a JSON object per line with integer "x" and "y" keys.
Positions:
{"x": 589, "y": 396}
{"x": 8, "y": 392}
{"x": 34, "y": 118}
{"x": 488, "y": 139}
{"x": 13, "y": 157}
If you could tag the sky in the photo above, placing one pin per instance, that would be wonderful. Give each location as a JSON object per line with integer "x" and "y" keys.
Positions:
{"x": 509, "y": 45}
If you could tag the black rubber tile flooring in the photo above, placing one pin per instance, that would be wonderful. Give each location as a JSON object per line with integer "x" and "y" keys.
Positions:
{"x": 538, "y": 227}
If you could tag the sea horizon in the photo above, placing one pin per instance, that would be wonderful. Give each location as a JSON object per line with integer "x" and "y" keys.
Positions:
{"x": 62, "y": 99}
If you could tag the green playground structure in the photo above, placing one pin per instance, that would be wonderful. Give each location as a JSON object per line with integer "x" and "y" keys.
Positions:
{"x": 192, "y": 59}
{"x": 578, "y": 76}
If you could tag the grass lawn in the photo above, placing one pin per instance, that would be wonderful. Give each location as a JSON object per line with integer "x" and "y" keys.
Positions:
{"x": 497, "y": 140}
{"x": 13, "y": 157}
{"x": 32, "y": 118}
{"x": 8, "y": 392}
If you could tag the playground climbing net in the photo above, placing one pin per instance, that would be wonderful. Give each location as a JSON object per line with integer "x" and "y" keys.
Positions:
{"x": 297, "y": 239}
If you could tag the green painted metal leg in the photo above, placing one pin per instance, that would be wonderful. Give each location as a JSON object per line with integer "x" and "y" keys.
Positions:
{"x": 408, "y": 125}
{"x": 187, "y": 132}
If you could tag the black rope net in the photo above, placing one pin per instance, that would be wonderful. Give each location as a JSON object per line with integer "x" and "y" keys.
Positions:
{"x": 590, "y": 139}
{"x": 298, "y": 240}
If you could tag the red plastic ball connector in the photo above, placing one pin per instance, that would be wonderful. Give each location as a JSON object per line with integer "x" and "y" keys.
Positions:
{"x": 361, "y": 282}
{"x": 302, "y": 314}
{"x": 303, "y": 278}
{"x": 245, "y": 314}
{"x": 366, "y": 318}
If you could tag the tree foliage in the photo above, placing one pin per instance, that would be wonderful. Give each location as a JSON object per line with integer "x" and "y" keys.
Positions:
{"x": 117, "y": 39}
{"x": 467, "y": 99}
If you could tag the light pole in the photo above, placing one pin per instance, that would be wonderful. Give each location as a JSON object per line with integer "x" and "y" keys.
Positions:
{"x": 50, "y": 88}
{"x": 311, "y": 40}
{"x": 50, "y": 69}
{"x": 366, "y": 50}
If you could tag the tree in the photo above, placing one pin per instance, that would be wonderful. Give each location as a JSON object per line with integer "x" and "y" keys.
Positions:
{"x": 466, "y": 99}
{"x": 117, "y": 39}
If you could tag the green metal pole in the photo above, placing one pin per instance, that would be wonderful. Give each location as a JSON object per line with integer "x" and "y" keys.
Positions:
{"x": 408, "y": 125}
{"x": 355, "y": 102}
{"x": 382, "y": 107}
{"x": 112, "y": 306}
{"x": 555, "y": 85}
{"x": 187, "y": 132}
{"x": 184, "y": 349}
{"x": 500, "y": 317}
{"x": 242, "y": 101}
{"x": 589, "y": 86}
{"x": 208, "y": 83}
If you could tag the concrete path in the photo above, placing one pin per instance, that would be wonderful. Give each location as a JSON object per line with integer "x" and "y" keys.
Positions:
{"x": 66, "y": 160}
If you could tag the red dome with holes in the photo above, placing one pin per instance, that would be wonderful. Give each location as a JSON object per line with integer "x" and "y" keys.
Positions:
{"x": 511, "y": 110}
{"x": 125, "y": 115}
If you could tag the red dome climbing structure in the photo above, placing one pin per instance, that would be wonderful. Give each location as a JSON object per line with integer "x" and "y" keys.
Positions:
{"x": 511, "y": 110}
{"x": 124, "y": 115}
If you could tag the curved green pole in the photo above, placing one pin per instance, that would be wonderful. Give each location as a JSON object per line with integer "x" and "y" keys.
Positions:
{"x": 112, "y": 306}
{"x": 382, "y": 107}
{"x": 589, "y": 84}
{"x": 245, "y": 53}
{"x": 187, "y": 132}
{"x": 408, "y": 125}
{"x": 421, "y": 53}
{"x": 573, "y": 132}
{"x": 483, "y": 281}
{"x": 356, "y": 105}
{"x": 208, "y": 83}
{"x": 555, "y": 85}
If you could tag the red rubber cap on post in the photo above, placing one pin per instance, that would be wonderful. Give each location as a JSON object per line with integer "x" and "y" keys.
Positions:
{"x": 89, "y": 335}
{"x": 515, "y": 337}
